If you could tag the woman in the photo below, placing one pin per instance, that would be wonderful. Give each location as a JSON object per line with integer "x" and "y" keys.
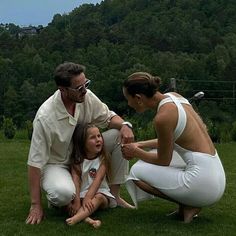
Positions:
{"x": 179, "y": 130}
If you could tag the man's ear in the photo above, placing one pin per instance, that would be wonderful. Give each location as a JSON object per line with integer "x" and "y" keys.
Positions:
{"x": 138, "y": 96}
{"x": 62, "y": 89}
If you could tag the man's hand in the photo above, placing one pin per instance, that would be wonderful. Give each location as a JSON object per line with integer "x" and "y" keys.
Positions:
{"x": 126, "y": 134}
{"x": 35, "y": 215}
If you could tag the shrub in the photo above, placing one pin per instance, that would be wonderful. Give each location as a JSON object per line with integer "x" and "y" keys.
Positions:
{"x": 213, "y": 130}
{"x": 29, "y": 128}
{"x": 9, "y": 128}
{"x": 233, "y": 131}
{"x": 225, "y": 132}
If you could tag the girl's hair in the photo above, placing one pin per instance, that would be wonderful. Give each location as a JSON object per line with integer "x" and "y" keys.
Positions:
{"x": 142, "y": 83}
{"x": 78, "y": 154}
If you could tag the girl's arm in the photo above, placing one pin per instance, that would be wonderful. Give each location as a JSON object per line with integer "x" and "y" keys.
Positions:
{"x": 76, "y": 177}
{"x": 94, "y": 187}
{"x": 75, "y": 204}
{"x": 97, "y": 181}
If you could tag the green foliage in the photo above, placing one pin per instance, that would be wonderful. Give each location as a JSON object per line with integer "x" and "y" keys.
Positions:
{"x": 188, "y": 40}
{"x": 29, "y": 128}
{"x": 212, "y": 129}
{"x": 233, "y": 131}
{"x": 8, "y": 128}
{"x": 225, "y": 132}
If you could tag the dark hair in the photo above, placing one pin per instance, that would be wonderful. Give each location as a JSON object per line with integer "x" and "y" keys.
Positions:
{"x": 66, "y": 71}
{"x": 142, "y": 83}
{"x": 79, "y": 151}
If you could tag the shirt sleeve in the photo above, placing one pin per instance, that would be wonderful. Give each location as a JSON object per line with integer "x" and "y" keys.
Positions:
{"x": 101, "y": 115}
{"x": 40, "y": 145}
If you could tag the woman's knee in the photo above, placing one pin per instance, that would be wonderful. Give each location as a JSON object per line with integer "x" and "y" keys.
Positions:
{"x": 136, "y": 171}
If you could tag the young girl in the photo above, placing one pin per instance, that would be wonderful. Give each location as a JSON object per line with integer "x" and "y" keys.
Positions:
{"x": 90, "y": 168}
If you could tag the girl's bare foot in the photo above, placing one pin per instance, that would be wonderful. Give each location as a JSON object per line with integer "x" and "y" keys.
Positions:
{"x": 71, "y": 220}
{"x": 95, "y": 223}
{"x": 190, "y": 213}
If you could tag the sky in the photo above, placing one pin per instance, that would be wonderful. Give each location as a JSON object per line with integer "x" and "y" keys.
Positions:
{"x": 36, "y": 12}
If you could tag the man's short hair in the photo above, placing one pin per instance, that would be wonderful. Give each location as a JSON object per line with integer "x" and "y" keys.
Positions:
{"x": 66, "y": 71}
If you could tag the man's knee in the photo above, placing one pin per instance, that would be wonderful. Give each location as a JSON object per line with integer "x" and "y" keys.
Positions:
{"x": 111, "y": 139}
{"x": 61, "y": 195}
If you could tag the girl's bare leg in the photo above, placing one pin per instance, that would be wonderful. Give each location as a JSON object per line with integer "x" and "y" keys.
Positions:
{"x": 99, "y": 200}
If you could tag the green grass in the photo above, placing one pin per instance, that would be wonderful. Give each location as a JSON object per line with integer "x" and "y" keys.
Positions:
{"x": 149, "y": 219}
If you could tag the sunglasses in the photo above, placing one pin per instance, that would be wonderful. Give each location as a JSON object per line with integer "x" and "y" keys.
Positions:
{"x": 80, "y": 88}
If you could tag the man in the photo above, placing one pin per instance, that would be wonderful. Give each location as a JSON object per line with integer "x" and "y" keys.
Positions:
{"x": 54, "y": 123}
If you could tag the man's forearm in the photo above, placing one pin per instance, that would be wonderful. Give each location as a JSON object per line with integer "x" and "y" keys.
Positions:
{"x": 116, "y": 122}
{"x": 34, "y": 175}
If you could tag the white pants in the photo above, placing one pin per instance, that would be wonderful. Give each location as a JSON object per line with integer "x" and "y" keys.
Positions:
{"x": 138, "y": 194}
{"x": 57, "y": 182}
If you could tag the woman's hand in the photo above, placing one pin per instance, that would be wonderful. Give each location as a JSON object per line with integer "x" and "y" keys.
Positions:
{"x": 129, "y": 150}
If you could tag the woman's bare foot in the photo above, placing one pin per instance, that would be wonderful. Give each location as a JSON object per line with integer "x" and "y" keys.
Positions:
{"x": 189, "y": 213}
{"x": 178, "y": 213}
{"x": 122, "y": 203}
{"x": 95, "y": 223}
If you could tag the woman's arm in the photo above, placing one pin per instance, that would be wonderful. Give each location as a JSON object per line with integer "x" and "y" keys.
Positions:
{"x": 164, "y": 125}
{"x": 152, "y": 143}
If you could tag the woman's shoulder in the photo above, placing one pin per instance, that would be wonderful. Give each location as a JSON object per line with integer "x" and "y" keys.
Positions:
{"x": 166, "y": 116}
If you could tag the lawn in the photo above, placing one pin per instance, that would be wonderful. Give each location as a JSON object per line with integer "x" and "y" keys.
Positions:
{"x": 149, "y": 219}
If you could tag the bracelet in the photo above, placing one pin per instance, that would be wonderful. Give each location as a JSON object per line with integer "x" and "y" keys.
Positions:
{"x": 128, "y": 124}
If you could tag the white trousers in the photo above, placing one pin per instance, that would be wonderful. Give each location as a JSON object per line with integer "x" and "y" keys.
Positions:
{"x": 57, "y": 182}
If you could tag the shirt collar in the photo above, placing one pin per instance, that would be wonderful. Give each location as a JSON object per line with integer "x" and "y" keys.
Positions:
{"x": 61, "y": 112}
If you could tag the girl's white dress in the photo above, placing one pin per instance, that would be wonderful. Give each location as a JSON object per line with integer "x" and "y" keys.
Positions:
{"x": 89, "y": 170}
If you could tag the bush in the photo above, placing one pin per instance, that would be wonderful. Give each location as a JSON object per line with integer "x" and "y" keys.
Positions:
{"x": 225, "y": 132}
{"x": 9, "y": 128}
{"x": 233, "y": 131}
{"x": 29, "y": 128}
{"x": 213, "y": 130}
{"x": 146, "y": 132}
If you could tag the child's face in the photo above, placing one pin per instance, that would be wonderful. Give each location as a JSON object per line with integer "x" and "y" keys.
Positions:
{"x": 94, "y": 142}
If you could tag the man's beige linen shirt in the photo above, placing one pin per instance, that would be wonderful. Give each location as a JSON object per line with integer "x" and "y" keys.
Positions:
{"x": 53, "y": 128}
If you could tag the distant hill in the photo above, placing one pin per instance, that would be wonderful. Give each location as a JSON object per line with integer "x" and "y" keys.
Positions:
{"x": 190, "y": 40}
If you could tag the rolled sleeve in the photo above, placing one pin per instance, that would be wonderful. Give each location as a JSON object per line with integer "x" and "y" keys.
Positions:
{"x": 99, "y": 111}
{"x": 40, "y": 145}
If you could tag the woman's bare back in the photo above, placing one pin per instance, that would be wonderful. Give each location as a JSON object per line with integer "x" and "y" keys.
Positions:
{"x": 195, "y": 136}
